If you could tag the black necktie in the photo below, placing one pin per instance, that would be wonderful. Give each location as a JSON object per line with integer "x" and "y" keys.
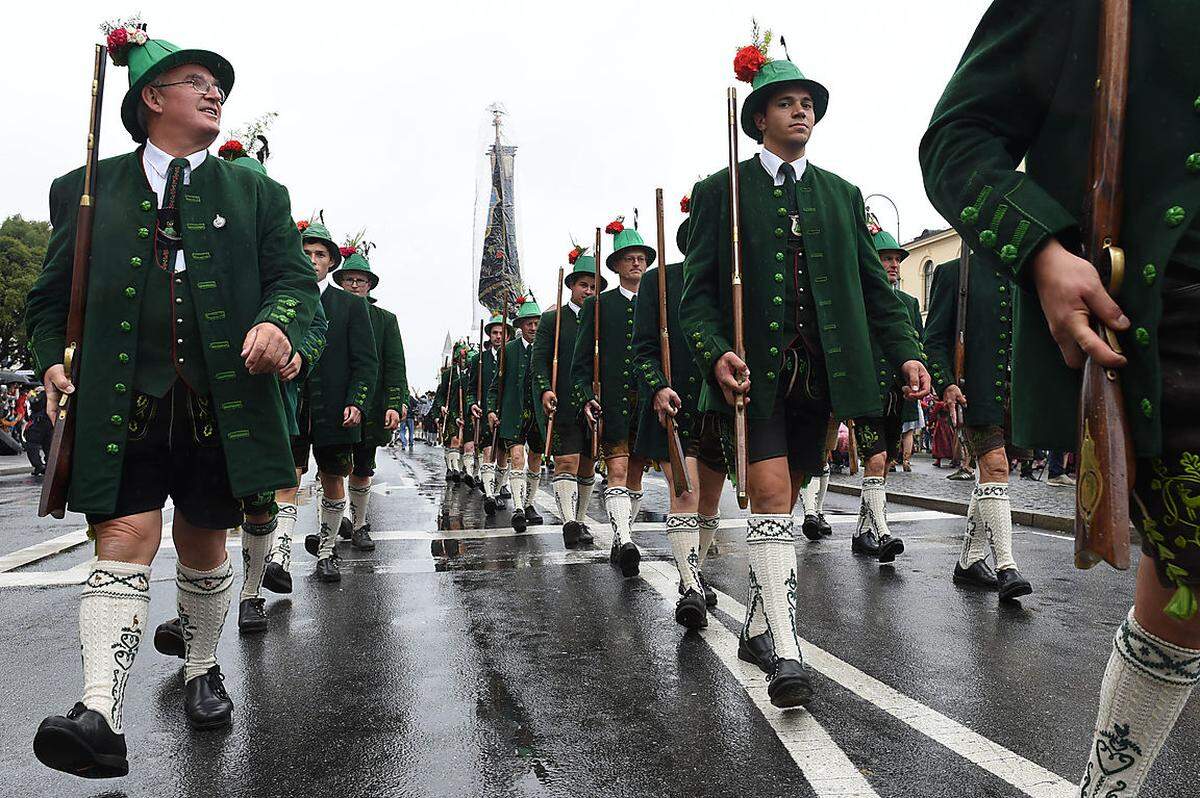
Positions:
{"x": 167, "y": 235}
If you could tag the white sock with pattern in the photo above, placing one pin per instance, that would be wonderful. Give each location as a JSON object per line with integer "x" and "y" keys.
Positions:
{"x": 822, "y": 489}
{"x": 113, "y": 613}
{"x": 360, "y": 497}
{"x": 619, "y": 507}
{"x": 203, "y": 598}
{"x": 256, "y": 548}
{"x": 532, "y": 480}
{"x": 516, "y": 485}
{"x": 771, "y": 554}
{"x": 330, "y": 519}
{"x": 281, "y": 548}
{"x": 873, "y": 512}
{"x": 487, "y": 474}
{"x": 995, "y": 516}
{"x": 974, "y": 542}
{"x": 708, "y": 530}
{"x": 1145, "y": 687}
{"x": 566, "y": 493}
{"x": 808, "y": 497}
{"x": 683, "y": 533}
{"x": 635, "y": 504}
{"x": 586, "y": 486}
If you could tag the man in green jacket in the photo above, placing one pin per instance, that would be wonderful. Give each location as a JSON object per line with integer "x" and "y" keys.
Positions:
{"x": 390, "y": 405}
{"x": 990, "y": 118}
{"x": 574, "y": 471}
{"x": 615, "y": 410}
{"x": 197, "y": 297}
{"x": 696, "y": 514}
{"x": 493, "y": 458}
{"x": 510, "y": 409}
{"x": 814, "y": 297}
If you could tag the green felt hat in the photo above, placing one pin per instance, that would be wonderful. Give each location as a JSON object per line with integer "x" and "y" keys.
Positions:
{"x": 584, "y": 264}
{"x": 527, "y": 308}
{"x": 884, "y": 242}
{"x": 626, "y": 238}
{"x": 149, "y": 60}
{"x": 317, "y": 231}
{"x": 497, "y": 319}
{"x": 769, "y": 78}
{"x": 251, "y": 163}
{"x": 356, "y": 263}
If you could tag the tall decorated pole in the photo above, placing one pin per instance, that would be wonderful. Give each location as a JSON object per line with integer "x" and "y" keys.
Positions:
{"x": 500, "y": 265}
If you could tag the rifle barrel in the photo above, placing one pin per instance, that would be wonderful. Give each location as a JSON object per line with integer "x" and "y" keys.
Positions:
{"x": 742, "y": 465}
{"x": 554, "y": 365}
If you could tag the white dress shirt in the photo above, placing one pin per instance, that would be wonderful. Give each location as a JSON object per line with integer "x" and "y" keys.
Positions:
{"x": 155, "y": 163}
{"x": 771, "y": 162}
{"x": 625, "y": 292}
{"x": 576, "y": 309}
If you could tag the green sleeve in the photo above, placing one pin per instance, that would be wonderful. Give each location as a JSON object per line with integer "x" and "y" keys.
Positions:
{"x": 581, "y": 361}
{"x": 473, "y": 366}
{"x": 49, "y": 299}
{"x": 364, "y": 357}
{"x": 990, "y": 113}
{"x": 289, "y": 287}
{"x": 493, "y": 391}
{"x": 394, "y": 380}
{"x": 439, "y": 398}
{"x": 700, "y": 313}
{"x": 914, "y": 315}
{"x": 941, "y": 324}
{"x": 313, "y": 343}
{"x": 543, "y": 354}
{"x": 647, "y": 348}
{"x": 888, "y": 316}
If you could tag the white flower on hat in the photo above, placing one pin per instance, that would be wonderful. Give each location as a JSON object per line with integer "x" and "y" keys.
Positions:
{"x": 139, "y": 36}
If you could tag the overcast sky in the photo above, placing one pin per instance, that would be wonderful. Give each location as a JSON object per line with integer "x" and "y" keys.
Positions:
{"x": 382, "y": 114}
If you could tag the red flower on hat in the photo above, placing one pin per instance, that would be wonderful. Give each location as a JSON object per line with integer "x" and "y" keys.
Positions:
{"x": 615, "y": 226}
{"x": 347, "y": 251}
{"x": 231, "y": 149}
{"x": 117, "y": 39}
{"x": 521, "y": 300}
{"x": 574, "y": 254}
{"x": 748, "y": 61}
{"x": 302, "y": 225}
{"x": 685, "y": 204}
{"x": 873, "y": 227}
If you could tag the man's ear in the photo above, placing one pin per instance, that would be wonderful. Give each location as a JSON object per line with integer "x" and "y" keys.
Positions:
{"x": 760, "y": 122}
{"x": 151, "y": 98}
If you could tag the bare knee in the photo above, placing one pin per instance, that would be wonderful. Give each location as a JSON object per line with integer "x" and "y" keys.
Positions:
{"x": 133, "y": 538}
{"x": 198, "y": 547}
{"x": 993, "y": 466}
{"x": 876, "y": 465}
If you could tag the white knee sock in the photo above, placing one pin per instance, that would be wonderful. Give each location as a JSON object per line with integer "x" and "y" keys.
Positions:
{"x": 995, "y": 517}
{"x": 203, "y": 598}
{"x": 505, "y": 475}
{"x": 808, "y": 497}
{"x": 635, "y": 502}
{"x": 330, "y": 519}
{"x": 256, "y": 547}
{"x": 516, "y": 485}
{"x": 708, "y": 531}
{"x": 683, "y": 533}
{"x": 975, "y": 539}
{"x": 469, "y": 464}
{"x": 771, "y": 554}
{"x": 1146, "y": 684}
{"x": 281, "y": 549}
{"x": 532, "y": 480}
{"x": 822, "y": 489}
{"x": 566, "y": 493}
{"x": 359, "y": 499}
{"x": 586, "y": 485}
{"x": 873, "y": 513}
{"x": 487, "y": 473}
{"x": 456, "y": 463}
{"x": 113, "y": 614}
{"x": 449, "y": 461}
{"x": 619, "y": 507}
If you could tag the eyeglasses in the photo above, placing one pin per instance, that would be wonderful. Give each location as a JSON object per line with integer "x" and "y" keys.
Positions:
{"x": 356, "y": 280}
{"x": 200, "y": 85}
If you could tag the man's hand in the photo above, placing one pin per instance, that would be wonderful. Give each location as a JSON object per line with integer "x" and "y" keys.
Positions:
{"x": 391, "y": 419}
{"x": 1071, "y": 294}
{"x": 592, "y": 410}
{"x": 493, "y": 419}
{"x": 476, "y": 411}
{"x": 957, "y": 401}
{"x": 549, "y": 402}
{"x": 917, "y": 383}
{"x": 292, "y": 369}
{"x": 57, "y": 384}
{"x": 666, "y": 403}
{"x": 733, "y": 375}
{"x": 266, "y": 349}
{"x": 351, "y": 416}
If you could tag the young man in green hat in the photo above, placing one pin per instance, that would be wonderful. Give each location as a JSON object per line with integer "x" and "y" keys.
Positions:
{"x": 574, "y": 471}
{"x": 696, "y": 514}
{"x": 492, "y": 457}
{"x": 337, "y": 394}
{"x": 616, "y": 409}
{"x": 390, "y": 405}
{"x": 450, "y": 403}
{"x": 197, "y": 297}
{"x": 511, "y": 410}
{"x": 879, "y": 436}
{"x": 814, "y": 297}
{"x": 1029, "y": 222}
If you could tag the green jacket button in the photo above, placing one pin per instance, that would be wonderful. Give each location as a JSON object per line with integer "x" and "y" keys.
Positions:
{"x": 778, "y": 300}
{"x": 1008, "y": 254}
{"x": 999, "y": 399}
{"x": 119, "y": 387}
{"x": 629, "y": 309}
{"x": 143, "y": 232}
{"x": 777, "y": 193}
{"x": 778, "y": 277}
{"x": 116, "y": 420}
{"x": 1003, "y": 288}
{"x": 988, "y": 238}
{"x": 1193, "y": 162}
{"x": 1142, "y": 335}
{"x": 696, "y": 336}
{"x": 692, "y": 380}
{"x": 882, "y": 384}
{"x": 779, "y": 257}
{"x": 123, "y": 358}
{"x": 782, "y": 211}
{"x": 779, "y": 232}
{"x": 112, "y": 448}
{"x": 130, "y": 292}
{"x": 1175, "y": 216}
{"x": 126, "y": 326}
{"x": 1004, "y": 318}
{"x": 626, "y": 360}
{"x": 774, "y": 351}
{"x": 1147, "y": 408}
{"x": 999, "y": 383}
{"x": 699, "y": 344}
{"x": 1000, "y": 366}
{"x": 146, "y": 205}
{"x": 708, "y": 355}
{"x": 970, "y": 214}
{"x": 1149, "y": 273}
{"x": 770, "y": 375}
{"x": 774, "y": 326}
{"x": 1003, "y": 304}
{"x": 135, "y": 262}
{"x": 1003, "y": 336}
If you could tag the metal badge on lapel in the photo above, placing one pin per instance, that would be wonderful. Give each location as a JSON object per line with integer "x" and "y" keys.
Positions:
{"x": 219, "y": 221}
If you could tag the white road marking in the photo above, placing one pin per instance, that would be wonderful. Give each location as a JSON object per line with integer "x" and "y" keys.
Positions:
{"x": 1051, "y": 535}
{"x": 49, "y": 548}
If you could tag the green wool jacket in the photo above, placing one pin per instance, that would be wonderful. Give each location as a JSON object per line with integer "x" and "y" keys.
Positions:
{"x": 1024, "y": 90}
{"x": 391, "y": 391}
{"x": 542, "y": 363}
{"x": 244, "y": 266}
{"x": 647, "y": 362}
{"x": 618, "y": 384}
{"x": 988, "y": 344}
{"x": 310, "y": 352}
{"x": 348, "y": 371}
{"x": 845, "y": 274}
{"x": 489, "y": 363}
{"x": 514, "y": 404}
{"x": 908, "y": 412}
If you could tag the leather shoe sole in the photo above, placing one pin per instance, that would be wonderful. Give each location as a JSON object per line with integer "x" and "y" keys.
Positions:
{"x": 58, "y": 746}
{"x": 629, "y": 559}
{"x": 345, "y": 529}
{"x": 889, "y": 549}
{"x": 168, "y": 639}
{"x": 811, "y": 529}
{"x": 690, "y": 612}
{"x": 312, "y": 544}
{"x": 570, "y": 533}
{"x": 276, "y": 579}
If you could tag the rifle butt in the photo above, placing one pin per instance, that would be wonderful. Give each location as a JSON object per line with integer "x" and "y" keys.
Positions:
{"x": 681, "y": 480}
{"x": 1105, "y": 473}
{"x": 53, "y": 501}
{"x": 549, "y": 436}
{"x": 852, "y": 448}
{"x": 741, "y": 455}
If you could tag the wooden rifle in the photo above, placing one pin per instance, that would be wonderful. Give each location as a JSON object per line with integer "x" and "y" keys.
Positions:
{"x": 1106, "y": 466}
{"x": 741, "y": 455}
{"x": 681, "y": 481}
{"x": 852, "y": 446}
{"x": 598, "y": 424}
{"x": 554, "y": 366}
{"x": 960, "y": 331}
{"x": 479, "y": 387}
{"x": 57, "y": 483}
{"x": 500, "y": 383}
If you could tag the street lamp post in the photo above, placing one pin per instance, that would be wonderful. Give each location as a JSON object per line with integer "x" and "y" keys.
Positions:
{"x": 899, "y": 238}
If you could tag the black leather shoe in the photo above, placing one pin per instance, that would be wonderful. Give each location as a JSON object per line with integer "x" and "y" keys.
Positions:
{"x": 823, "y": 525}
{"x": 453, "y": 476}
{"x": 489, "y": 506}
{"x": 629, "y": 558}
{"x": 810, "y": 528}
{"x": 690, "y": 611}
{"x": 866, "y": 544}
{"x": 205, "y": 701}
{"x": 570, "y": 532}
{"x": 758, "y": 650}
{"x": 81, "y": 743}
{"x": 710, "y": 595}
{"x": 361, "y": 538}
{"x": 312, "y": 543}
{"x": 790, "y": 685}
{"x": 449, "y": 475}
{"x": 518, "y": 520}
{"x": 614, "y": 553}
{"x": 327, "y": 570}
{"x": 252, "y": 617}
{"x": 585, "y": 536}
{"x": 168, "y": 639}
{"x": 889, "y": 548}
{"x": 505, "y": 493}
{"x": 533, "y": 517}
{"x": 468, "y": 480}
{"x": 979, "y": 574}
{"x": 1012, "y": 585}
{"x": 277, "y": 579}
{"x": 345, "y": 529}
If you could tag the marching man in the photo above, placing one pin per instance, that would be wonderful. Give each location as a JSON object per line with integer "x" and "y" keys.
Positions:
{"x": 492, "y": 458}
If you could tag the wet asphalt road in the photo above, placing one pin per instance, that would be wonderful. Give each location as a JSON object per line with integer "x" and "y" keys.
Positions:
{"x": 455, "y": 662}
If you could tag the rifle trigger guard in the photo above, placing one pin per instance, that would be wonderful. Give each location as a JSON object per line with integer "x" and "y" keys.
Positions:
{"x": 68, "y": 356}
{"x": 1116, "y": 260}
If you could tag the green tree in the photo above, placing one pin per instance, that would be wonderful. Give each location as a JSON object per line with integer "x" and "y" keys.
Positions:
{"x": 22, "y": 250}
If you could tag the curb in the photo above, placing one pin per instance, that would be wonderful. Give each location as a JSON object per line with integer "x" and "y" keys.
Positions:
{"x": 1058, "y": 523}
{"x": 12, "y": 471}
